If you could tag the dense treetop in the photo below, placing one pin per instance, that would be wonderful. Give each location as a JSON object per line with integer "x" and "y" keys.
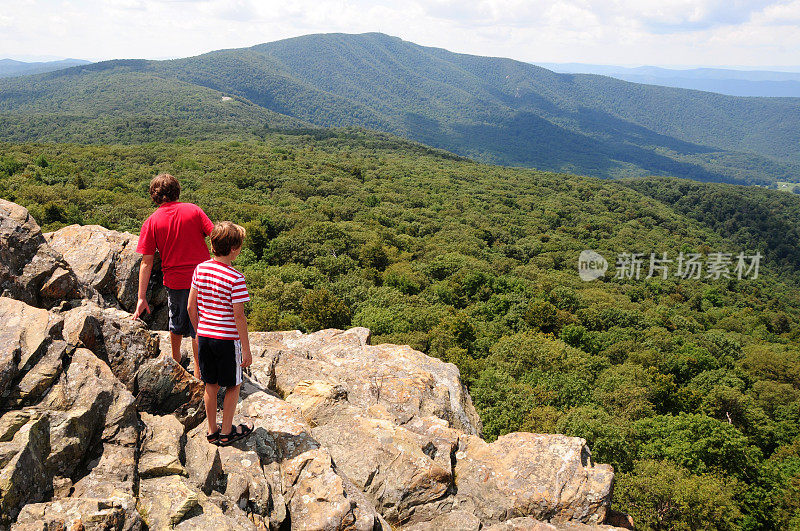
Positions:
{"x": 689, "y": 387}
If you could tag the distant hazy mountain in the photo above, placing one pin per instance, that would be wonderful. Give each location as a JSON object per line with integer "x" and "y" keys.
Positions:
{"x": 491, "y": 109}
{"x": 11, "y": 68}
{"x": 763, "y": 83}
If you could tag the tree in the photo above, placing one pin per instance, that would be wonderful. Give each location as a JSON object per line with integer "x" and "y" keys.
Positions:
{"x": 402, "y": 277}
{"x": 322, "y": 309}
{"x": 696, "y": 442}
{"x": 373, "y": 254}
{"x": 607, "y": 439}
{"x": 541, "y": 316}
{"x": 660, "y": 495}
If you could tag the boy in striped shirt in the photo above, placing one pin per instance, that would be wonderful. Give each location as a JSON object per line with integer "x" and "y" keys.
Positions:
{"x": 216, "y": 308}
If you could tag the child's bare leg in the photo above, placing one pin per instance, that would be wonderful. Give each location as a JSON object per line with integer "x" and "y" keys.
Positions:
{"x": 195, "y": 349}
{"x": 229, "y": 408}
{"x": 176, "y": 339}
{"x": 210, "y": 399}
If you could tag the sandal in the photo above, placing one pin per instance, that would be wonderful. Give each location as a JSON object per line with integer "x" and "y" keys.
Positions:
{"x": 237, "y": 433}
{"x": 214, "y": 437}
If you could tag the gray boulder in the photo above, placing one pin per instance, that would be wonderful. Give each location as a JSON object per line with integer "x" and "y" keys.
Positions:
{"x": 106, "y": 261}
{"x": 30, "y": 270}
{"x": 123, "y": 343}
{"x": 25, "y": 337}
{"x": 78, "y": 513}
{"x": 405, "y": 381}
{"x": 547, "y": 477}
{"x": 23, "y": 476}
{"x": 166, "y": 388}
{"x": 160, "y": 446}
{"x": 386, "y": 462}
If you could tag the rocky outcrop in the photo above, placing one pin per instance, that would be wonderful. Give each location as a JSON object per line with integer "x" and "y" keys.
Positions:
{"x": 364, "y": 447}
{"x": 160, "y": 446}
{"x": 30, "y": 270}
{"x": 123, "y": 343}
{"x": 166, "y": 388}
{"x": 78, "y": 513}
{"x": 24, "y": 475}
{"x": 409, "y": 445}
{"x": 25, "y": 337}
{"x": 75, "y": 262}
{"x": 100, "y": 430}
{"x": 500, "y": 481}
{"x": 406, "y": 382}
{"x": 107, "y": 262}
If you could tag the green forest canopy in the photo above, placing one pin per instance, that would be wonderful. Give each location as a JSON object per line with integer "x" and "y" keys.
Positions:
{"x": 690, "y": 388}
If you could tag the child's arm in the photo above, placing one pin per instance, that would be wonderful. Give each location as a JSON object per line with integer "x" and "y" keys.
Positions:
{"x": 192, "y": 307}
{"x": 145, "y": 268}
{"x": 241, "y": 327}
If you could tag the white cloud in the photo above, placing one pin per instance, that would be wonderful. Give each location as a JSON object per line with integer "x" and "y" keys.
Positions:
{"x": 665, "y": 32}
{"x": 783, "y": 14}
{"x": 137, "y": 5}
{"x": 688, "y": 15}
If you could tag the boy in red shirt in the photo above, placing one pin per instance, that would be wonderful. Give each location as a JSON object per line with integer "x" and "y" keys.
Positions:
{"x": 216, "y": 308}
{"x": 178, "y": 231}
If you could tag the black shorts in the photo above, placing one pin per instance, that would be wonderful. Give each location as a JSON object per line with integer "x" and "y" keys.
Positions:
{"x": 220, "y": 361}
{"x": 179, "y": 322}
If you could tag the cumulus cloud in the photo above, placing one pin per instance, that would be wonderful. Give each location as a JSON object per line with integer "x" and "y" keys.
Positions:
{"x": 781, "y": 14}
{"x": 690, "y": 15}
{"x": 664, "y": 32}
{"x": 656, "y": 15}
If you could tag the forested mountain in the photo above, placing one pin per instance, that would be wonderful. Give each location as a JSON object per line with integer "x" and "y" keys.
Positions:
{"x": 121, "y": 101}
{"x": 755, "y": 218}
{"x": 490, "y": 109}
{"x": 12, "y": 68}
{"x": 689, "y": 387}
{"x": 762, "y": 83}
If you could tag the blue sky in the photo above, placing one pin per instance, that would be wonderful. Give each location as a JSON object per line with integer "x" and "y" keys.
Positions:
{"x": 756, "y": 33}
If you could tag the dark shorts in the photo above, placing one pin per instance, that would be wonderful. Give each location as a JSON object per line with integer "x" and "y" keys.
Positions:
{"x": 179, "y": 322}
{"x": 220, "y": 361}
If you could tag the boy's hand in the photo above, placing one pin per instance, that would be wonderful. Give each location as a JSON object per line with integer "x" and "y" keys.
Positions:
{"x": 141, "y": 307}
{"x": 247, "y": 359}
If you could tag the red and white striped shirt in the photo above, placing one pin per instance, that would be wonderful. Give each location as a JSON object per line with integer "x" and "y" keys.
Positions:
{"x": 218, "y": 287}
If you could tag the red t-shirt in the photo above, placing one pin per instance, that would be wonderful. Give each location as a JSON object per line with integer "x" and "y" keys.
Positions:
{"x": 219, "y": 287}
{"x": 178, "y": 231}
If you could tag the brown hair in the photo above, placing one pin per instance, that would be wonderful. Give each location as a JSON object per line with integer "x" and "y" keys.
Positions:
{"x": 226, "y": 237}
{"x": 164, "y": 188}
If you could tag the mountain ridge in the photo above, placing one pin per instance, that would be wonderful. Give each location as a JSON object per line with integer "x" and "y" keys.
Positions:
{"x": 731, "y": 82}
{"x": 494, "y": 110}
{"x": 13, "y": 68}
